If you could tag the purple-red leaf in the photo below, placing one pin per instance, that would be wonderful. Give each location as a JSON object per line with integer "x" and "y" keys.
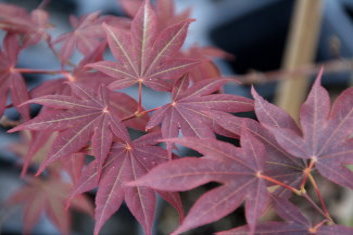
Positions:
{"x": 87, "y": 117}
{"x": 237, "y": 169}
{"x": 144, "y": 54}
{"x": 324, "y": 134}
{"x": 47, "y": 196}
{"x": 190, "y": 109}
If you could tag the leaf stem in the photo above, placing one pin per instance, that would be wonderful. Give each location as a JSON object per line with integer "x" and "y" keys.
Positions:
{"x": 314, "y": 229}
{"x": 308, "y": 198}
{"x": 43, "y": 71}
{"x": 139, "y": 114}
{"x": 270, "y": 179}
{"x": 318, "y": 193}
{"x": 307, "y": 172}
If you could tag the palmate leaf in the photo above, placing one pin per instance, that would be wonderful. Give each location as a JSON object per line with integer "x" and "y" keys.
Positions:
{"x": 32, "y": 26}
{"x": 296, "y": 224}
{"x": 79, "y": 74}
{"x": 324, "y": 134}
{"x": 87, "y": 34}
{"x": 127, "y": 161}
{"x": 190, "y": 107}
{"x": 87, "y": 117}
{"x": 237, "y": 169}
{"x": 165, "y": 10}
{"x": 47, "y": 196}
{"x": 206, "y": 69}
{"x": 279, "y": 164}
{"x": 144, "y": 54}
{"x": 10, "y": 80}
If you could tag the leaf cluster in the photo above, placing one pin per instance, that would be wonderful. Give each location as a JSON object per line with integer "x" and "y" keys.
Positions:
{"x": 85, "y": 112}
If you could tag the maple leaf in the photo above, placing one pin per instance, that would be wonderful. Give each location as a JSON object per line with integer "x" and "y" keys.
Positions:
{"x": 88, "y": 116}
{"x": 206, "y": 69}
{"x": 127, "y": 161}
{"x": 279, "y": 164}
{"x": 296, "y": 223}
{"x": 189, "y": 108}
{"x": 34, "y": 147}
{"x": 79, "y": 74}
{"x": 12, "y": 81}
{"x": 324, "y": 134}
{"x": 87, "y": 34}
{"x": 144, "y": 55}
{"x": 32, "y": 25}
{"x": 165, "y": 11}
{"x": 47, "y": 196}
{"x": 238, "y": 169}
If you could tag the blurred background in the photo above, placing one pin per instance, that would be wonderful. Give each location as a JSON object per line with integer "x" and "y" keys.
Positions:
{"x": 271, "y": 40}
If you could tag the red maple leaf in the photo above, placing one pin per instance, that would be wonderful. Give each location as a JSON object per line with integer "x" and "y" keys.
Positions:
{"x": 237, "y": 169}
{"x": 165, "y": 10}
{"x": 127, "y": 161}
{"x": 323, "y": 136}
{"x": 48, "y": 196}
{"x": 87, "y": 34}
{"x": 280, "y": 164}
{"x": 88, "y": 116}
{"x": 33, "y": 26}
{"x": 206, "y": 69}
{"x": 190, "y": 107}
{"x": 12, "y": 81}
{"x": 144, "y": 54}
{"x": 79, "y": 74}
{"x": 296, "y": 223}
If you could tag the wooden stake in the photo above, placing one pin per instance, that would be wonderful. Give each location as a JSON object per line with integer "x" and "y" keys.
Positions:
{"x": 300, "y": 50}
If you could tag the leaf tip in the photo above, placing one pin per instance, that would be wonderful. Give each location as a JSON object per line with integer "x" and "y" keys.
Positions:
{"x": 319, "y": 76}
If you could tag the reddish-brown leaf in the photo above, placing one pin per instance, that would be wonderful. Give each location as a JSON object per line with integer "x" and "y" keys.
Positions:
{"x": 324, "y": 134}
{"x": 236, "y": 168}
{"x": 127, "y": 161}
{"x": 144, "y": 54}
{"x": 47, "y": 196}
{"x": 190, "y": 109}
{"x": 296, "y": 224}
{"x": 10, "y": 80}
{"x": 87, "y": 116}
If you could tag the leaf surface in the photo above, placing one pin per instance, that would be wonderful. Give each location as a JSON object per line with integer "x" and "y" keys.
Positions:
{"x": 127, "y": 162}
{"x": 87, "y": 116}
{"x": 235, "y": 168}
{"x": 47, "y": 196}
{"x": 190, "y": 109}
{"x": 146, "y": 55}
{"x": 323, "y": 136}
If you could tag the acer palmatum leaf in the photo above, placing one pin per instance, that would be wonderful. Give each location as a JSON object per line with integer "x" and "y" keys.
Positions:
{"x": 165, "y": 11}
{"x": 32, "y": 26}
{"x": 87, "y": 34}
{"x": 48, "y": 196}
{"x": 324, "y": 134}
{"x": 296, "y": 224}
{"x": 280, "y": 164}
{"x": 190, "y": 107}
{"x": 127, "y": 161}
{"x": 79, "y": 74}
{"x": 12, "y": 81}
{"x": 236, "y": 168}
{"x": 87, "y": 117}
{"x": 144, "y": 54}
{"x": 33, "y": 148}
{"x": 282, "y": 228}
{"x": 206, "y": 69}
